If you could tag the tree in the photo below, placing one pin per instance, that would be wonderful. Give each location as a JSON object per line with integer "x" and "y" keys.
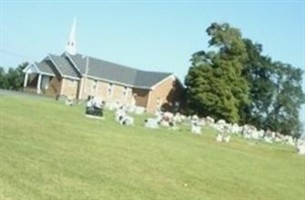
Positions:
{"x": 15, "y": 77}
{"x": 287, "y": 100}
{"x": 215, "y": 86}
{"x": 258, "y": 71}
{"x": 275, "y": 93}
{"x": 3, "y": 80}
{"x": 237, "y": 83}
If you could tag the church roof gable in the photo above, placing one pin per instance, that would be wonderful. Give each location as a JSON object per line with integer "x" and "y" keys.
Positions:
{"x": 64, "y": 67}
{"x": 44, "y": 67}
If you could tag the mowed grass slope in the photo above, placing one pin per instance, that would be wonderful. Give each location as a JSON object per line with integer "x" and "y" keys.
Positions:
{"x": 50, "y": 151}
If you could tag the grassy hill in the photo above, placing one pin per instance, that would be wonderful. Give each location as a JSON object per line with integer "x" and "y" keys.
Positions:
{"x": 50, "y": 151}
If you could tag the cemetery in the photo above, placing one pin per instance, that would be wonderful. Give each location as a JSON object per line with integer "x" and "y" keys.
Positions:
{"x": 131, "y": 154}
{"x": 179, "y": 120}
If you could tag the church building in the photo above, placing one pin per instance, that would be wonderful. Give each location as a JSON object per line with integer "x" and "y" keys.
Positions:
{"x": 77, "y": 76}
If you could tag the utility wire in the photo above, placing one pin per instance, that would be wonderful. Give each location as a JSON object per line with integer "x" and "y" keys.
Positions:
{"x": 5, "y": 51}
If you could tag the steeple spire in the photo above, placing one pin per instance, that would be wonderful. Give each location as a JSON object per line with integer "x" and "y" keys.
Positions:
{"x": 71, "y": 46}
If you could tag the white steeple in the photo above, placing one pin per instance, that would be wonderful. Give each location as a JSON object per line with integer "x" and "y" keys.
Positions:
{"x": 71, "y": 46}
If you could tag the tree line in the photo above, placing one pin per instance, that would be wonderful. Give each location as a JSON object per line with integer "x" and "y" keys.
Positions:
{"x": 234, "y": 81}
{"x": 13, "y": 78}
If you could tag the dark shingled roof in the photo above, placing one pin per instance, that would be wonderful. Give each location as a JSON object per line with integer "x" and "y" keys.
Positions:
{"x": 112, "y": 72}
{"x": 64, "y": 67}
{"x": 78, "y": 60}
{"x": 44, "y": 67}
{"x": 149, "y": 79}
{"x": 115, "y": 72}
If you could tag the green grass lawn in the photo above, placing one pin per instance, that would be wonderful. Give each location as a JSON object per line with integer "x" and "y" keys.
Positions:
{"x": 50, "y": 151}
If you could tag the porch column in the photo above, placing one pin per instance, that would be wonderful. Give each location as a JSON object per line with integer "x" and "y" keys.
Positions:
{"x": 25, "y": 82}
{"x": 62, "y": 86}
{"x": 80, "y": 89}
{"x": 39, "y": 84}
{"x": 148, "y": 101}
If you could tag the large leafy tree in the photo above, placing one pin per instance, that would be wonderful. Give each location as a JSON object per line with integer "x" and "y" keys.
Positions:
{"x": 287, "y": 100}
{"x": 235, "y": 82}
{"x": 275, "y": 93}
{"x": 215, "y": 85}
{"x": 258, "y": 71}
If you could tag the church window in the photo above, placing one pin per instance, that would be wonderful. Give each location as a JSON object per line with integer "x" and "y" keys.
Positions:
{"x": 125, "y": 91}
{"x": 110, "y": 88}
{"x": 94, "y": 86}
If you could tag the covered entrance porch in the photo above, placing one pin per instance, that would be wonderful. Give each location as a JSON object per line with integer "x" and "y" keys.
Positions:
{"x": 38, "y": 82}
